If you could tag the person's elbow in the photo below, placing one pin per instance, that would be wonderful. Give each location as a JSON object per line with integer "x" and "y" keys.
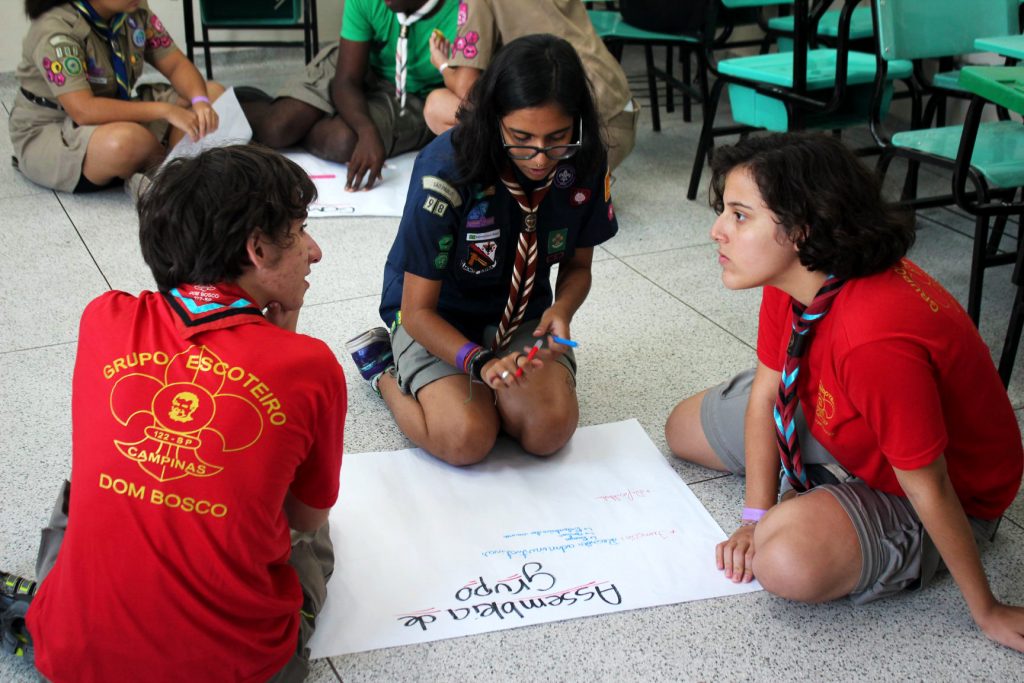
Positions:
{"x": 302, "y": 517}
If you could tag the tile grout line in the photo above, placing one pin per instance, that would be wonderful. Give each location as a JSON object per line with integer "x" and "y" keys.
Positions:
{"x": 699, "y": 313}
{"x": 82, "y": 239}
{"x": 331, "y": 664}
{"x": 36, "y": 348}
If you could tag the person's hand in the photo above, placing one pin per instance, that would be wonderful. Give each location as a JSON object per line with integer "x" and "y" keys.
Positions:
{"x": 184, "y": 120}
{"x": 440, "y": 49}
{"x": 1004, "y": 624}
{"x": 735, "y": 556}
{"x": 278, "y": 315}
{"x": 500, "y": 373}
{"x": 366, "y": 161}
{"x": 553, "y": 322}
{"x": 206, "y": 117}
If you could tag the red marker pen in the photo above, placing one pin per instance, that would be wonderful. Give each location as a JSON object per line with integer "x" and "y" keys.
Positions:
{"x": 530, "y": 356}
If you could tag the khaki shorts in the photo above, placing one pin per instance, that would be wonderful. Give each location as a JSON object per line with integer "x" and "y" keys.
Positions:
{"x": 401, "y": 131}
{"x": 897, "y": 552}
{"x": 416, "y": 367}
{"x": 51, "y": 148}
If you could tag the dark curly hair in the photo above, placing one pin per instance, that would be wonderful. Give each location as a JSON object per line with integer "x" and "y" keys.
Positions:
{"x": 826, "y": 201}
{"x": 195, "y": 219}
{"x": 37, "y": 8}
{"x": 530, "y": 71}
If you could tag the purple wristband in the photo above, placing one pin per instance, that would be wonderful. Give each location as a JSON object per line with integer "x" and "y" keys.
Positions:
{"x": 460, "y": 357}
{"x": 200, "y": 98}
{"x": 752, "y": 514}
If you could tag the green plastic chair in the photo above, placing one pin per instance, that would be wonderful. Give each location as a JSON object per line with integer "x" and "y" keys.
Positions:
{"x": 861, "y": 28}
{"x": 921, "y": 29}
{"x": 1003, "y": 86}
{"x": 827, "y": 88}
{"x": 262, "y": 15}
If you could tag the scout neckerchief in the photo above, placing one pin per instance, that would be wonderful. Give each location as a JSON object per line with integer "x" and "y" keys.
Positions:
{"x": 402, "y": 49}
{"x": 526, "y": 256}
{"x": 200, "y": 308}
{"x": 110, "y": 31}
{"x": 787, "y": 400}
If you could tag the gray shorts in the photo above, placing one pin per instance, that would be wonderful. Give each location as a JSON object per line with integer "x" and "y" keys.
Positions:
{"x": 416, "y": 367}
{"x": 401, "y": 131}
{"x": 898, "y": 553}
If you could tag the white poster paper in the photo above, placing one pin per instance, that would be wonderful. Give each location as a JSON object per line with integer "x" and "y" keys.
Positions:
{"x": 232, "y": 129}
{"x": 427, "y": 551}
{"x": 387, "y": 198}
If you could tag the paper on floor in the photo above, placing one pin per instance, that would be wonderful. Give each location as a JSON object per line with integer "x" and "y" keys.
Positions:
{"x": 387, "y": 198}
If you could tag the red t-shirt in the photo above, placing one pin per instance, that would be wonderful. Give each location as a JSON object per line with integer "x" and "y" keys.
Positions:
{"x": 193, "y": 416}
{"x": 896, "y": 375}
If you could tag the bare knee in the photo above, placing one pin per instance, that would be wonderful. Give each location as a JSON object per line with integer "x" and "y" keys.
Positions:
{"x": 464, "y": 445}
{"x": 332, "y": 140}
{"x": 123, "y": 148}
{"x": 439, "y": 110}
{"x": 547, "y": 433}
{"x": 277, "y": 131}
{"x": 684, "y": 433}
{"x": 784, "y": 564}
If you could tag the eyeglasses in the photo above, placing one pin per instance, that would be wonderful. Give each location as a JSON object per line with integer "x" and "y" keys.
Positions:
{"x": 556, "y": 152}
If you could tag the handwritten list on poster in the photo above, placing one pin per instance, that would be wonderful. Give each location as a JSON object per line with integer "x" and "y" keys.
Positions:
{"x": 426, "y": 551}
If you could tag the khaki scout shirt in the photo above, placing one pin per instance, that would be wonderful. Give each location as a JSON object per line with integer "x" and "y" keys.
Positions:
{"x": 484, "y": 25}
{"x": 62, "y": 54}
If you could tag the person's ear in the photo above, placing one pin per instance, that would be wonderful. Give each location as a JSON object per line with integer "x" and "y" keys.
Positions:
{"x": 256, "y": 248}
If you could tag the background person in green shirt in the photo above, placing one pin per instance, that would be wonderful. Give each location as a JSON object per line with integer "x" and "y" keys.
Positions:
{"x": 348, "y": 106}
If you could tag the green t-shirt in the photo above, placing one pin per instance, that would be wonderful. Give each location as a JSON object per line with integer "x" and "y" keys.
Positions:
{"x": 371, "y": 21}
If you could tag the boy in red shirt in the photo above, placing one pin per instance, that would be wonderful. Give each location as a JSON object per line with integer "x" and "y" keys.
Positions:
{"x": 896, "y": 388}
{"x": 207, "y": 446}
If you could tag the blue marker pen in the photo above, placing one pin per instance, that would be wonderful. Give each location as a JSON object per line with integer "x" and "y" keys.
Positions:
{"x": 567, "y": 342}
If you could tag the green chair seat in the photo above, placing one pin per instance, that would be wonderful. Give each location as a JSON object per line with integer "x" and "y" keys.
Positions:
{"x": 1007, "y": 46}
{"x": 828, "y": 27}
{"x": 609, "y": 25}
{"x": 998, "y": 153}
{"x": 948, "y": 80}
{"x": 777, "y": 68}
{"x": 1003, "y": 85}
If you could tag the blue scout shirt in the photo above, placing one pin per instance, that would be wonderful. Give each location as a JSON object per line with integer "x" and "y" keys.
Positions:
{"x": 466, "y": 237}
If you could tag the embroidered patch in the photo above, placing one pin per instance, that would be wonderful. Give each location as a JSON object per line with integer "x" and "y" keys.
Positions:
{"x": 156, "y": 23}
{"x": 579, "y": 196}
{"x": 486, "y": 192}
{"x": 445, "y": 243}
{"x": 485, "y": 222}
{"x": 54, "y": 71}
{"x": 467, "y": 45}
{"x": 139, "y": 37}
{"x": 72, "y": 66}
{"x": 607, "y": 186}
{"x": 66, "y": 50}
{"x": 478, "y": 211}
{"x": 132, "y": 23}
{"x": 565, "y": 176}
{"x": 483, "y": 236}
{"x": 446, "y": 190}
{"x": 435, "y": 206}
{"x": 481, "y": 257}
{"x": 463, "y": 13}
{"x": 556, "y": 240}
{"x": 93, "y": 69}
{"x": 441, "y": 261}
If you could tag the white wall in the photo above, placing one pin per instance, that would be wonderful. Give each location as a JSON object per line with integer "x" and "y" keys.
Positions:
{"x": 14, "y": 25}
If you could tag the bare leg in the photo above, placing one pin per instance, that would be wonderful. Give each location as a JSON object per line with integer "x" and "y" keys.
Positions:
{"x": 441, "y": 422}
{"x": 281, "y": 123}
{"x": 331, "y": 139}
{"x": 439, "y": 110}
{"x": 685, "y": 435}
{"x": 117, "y": 150}
{"x": 541, "y": 415}
{"x": 806, "y": 549}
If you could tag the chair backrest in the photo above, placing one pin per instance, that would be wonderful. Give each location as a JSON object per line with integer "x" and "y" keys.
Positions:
{"x": 920, "y": 29}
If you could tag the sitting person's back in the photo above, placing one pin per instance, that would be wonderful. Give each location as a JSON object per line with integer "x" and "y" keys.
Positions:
{"x": 203, "y": 430}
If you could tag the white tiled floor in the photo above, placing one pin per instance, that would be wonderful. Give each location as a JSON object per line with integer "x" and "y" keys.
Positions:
{"x": 658, "y": 327}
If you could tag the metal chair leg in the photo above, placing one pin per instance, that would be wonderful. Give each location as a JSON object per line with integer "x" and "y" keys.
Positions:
{"x": 206, "y": 53}
{"x": 652, "y": 88}
{"x": 977, "y": 276}
{"x": 707, "y": 134}
{"x": 670, "y": 100}
{"x": 684, "y": 55}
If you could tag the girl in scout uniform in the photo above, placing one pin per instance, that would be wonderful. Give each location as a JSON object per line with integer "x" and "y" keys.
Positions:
{"x": 75, "y": 126}
{"x": 519, "y": 186}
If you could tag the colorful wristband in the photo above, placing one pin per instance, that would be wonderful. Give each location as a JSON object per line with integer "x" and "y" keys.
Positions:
{"x": 200, "y": 98}
{"x": 752, "y": 514}
{"x": 464, "y": 353}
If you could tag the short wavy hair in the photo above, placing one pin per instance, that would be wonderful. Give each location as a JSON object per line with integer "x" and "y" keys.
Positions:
{"x": 195, "y": 219}
{"x": 530, "y": 71}
{"x": 826, "y": 201}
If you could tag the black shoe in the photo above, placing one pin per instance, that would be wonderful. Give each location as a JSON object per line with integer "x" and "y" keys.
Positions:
{"x": 247, "y": 93}
{"x": 14, "y": 588}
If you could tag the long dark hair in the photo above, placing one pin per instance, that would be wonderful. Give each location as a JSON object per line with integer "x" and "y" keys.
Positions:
{"x": 827, "y": 202}
{"x": 36, "y": 8}
{"x": 531, "y": 71}
{"x": 195, "y": 220}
